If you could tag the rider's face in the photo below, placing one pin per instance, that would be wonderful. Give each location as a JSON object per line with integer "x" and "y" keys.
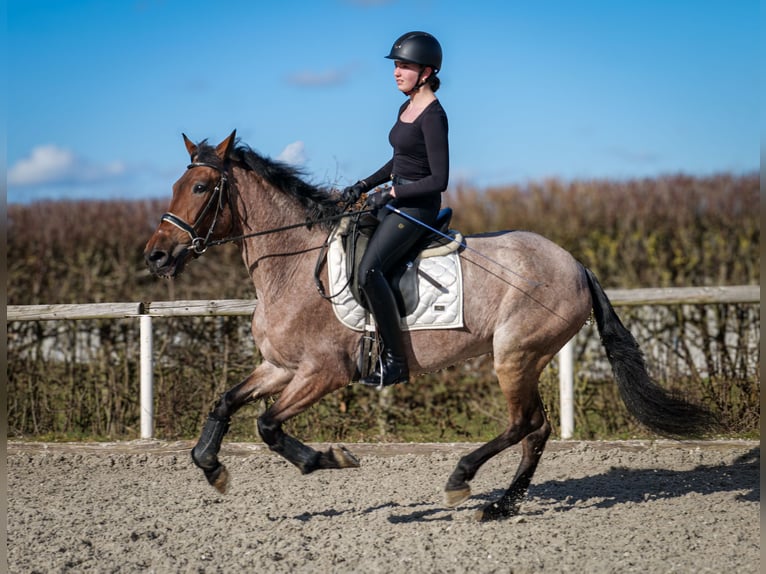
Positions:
{"x": 406, "y": 75}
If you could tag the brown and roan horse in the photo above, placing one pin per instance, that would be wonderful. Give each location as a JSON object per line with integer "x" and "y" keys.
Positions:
{"x": 523, "y": 317}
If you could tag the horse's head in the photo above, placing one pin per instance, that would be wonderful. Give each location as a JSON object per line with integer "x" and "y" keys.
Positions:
{"x": 199, "y": 210}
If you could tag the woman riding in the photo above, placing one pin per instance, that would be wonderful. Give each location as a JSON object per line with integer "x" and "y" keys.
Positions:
{"x": 419, "y": 172}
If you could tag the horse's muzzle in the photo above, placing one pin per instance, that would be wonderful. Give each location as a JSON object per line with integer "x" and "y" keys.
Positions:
{"x": 164, "y": 263}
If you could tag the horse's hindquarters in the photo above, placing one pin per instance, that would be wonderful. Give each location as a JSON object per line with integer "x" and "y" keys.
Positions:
{"x": 522, "y": 294}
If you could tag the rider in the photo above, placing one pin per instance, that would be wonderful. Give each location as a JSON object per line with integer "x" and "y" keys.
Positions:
{"x": 419, "y": 172}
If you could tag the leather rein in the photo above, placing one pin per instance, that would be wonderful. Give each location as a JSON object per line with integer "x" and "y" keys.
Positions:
{"x": 200, "y": 244}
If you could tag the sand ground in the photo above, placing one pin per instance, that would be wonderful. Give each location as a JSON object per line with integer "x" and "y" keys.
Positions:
{"x": 629, "y": 506}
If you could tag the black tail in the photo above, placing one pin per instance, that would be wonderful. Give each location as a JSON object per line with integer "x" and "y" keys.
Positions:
{"x": 652, "y": 405}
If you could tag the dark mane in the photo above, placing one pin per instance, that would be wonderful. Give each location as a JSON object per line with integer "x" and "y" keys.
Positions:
{"x": 317, "y": 202}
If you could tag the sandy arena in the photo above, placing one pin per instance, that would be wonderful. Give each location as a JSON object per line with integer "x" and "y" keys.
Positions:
{"x": 630, "y": 506}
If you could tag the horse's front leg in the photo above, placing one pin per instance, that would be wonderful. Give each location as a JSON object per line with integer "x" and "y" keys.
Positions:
{"x": 301, "y": 393}
{"x": 266, "y": 380}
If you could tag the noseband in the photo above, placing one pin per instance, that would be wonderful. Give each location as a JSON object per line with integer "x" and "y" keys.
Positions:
{"x": 200, "y": 244}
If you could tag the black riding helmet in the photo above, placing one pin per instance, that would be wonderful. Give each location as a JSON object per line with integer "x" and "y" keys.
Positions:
{"x": 417, "y": 48}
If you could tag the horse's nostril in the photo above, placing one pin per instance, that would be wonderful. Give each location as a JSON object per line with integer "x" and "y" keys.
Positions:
{"x": 155, "y": 256}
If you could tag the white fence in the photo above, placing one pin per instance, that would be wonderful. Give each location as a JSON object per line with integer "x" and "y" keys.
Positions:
{"x": 146, "y": 312}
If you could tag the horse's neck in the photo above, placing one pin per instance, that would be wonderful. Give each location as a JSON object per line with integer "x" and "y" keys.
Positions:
{"x": 278, "y": 261}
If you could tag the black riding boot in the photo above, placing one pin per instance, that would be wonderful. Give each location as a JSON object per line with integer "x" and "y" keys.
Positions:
{"x": 392, "y": 363}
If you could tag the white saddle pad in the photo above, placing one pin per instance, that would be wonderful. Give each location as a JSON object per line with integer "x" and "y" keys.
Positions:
{"x": 440, "y": 285}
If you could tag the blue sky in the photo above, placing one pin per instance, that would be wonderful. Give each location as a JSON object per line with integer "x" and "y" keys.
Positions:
{"x": 99, "y": 92}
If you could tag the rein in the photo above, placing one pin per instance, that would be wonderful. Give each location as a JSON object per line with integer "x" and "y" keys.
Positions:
{"x": 200, "y": 244}
{"x": 306, "y": 223}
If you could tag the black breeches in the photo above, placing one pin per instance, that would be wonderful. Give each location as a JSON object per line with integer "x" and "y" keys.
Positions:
{"x": 393, "y": 239}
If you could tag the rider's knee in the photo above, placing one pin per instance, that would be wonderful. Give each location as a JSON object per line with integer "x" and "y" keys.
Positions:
{"x": 367, "y": 276}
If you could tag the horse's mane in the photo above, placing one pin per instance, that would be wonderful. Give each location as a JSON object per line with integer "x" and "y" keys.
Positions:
{"x": 317, "y": 202}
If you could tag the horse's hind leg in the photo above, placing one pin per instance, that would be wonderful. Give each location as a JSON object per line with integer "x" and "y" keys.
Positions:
{"x": 264, "y": 381}
{"x": 528, "y": 425}
{"x": 532, "y": 449}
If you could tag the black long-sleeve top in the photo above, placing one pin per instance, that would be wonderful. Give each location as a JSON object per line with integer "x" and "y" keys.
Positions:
{"x": 421, "y": 155}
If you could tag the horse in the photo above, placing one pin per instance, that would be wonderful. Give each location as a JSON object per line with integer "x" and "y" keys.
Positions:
{"x": 525, "y": 298}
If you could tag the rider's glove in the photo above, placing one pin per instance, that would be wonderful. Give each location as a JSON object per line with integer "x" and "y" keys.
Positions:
{"x": 354, "y": 192}
{"x": 378, "y": 200}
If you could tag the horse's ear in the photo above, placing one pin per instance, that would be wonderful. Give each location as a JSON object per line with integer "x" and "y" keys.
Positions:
{"x": 222, "y": 151}
{"x": 190, "y": 146}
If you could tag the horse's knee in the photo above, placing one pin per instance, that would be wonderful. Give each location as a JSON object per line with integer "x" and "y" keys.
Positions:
{"x": 269, "y": 431}
{"x": 226, "y": 405}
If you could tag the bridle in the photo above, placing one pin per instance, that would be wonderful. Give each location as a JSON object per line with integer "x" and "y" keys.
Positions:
{"x": 199, "y": 244}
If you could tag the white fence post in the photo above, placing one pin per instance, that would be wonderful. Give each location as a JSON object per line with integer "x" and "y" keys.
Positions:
{"x": 147, "y": 377}
{"x": 619, "y": 297}
{"x": 566, "y": 389}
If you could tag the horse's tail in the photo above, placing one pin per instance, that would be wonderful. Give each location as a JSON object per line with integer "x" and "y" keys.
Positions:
{"x": 652, "y": 405}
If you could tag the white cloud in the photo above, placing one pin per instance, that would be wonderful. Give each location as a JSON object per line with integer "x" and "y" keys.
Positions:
{"x": 44, "y": 164}
{"x": 50, "y": 164}
{"x": 294, "y": 153}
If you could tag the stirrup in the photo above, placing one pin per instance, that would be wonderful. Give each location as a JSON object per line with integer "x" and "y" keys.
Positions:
{"x": 375, "y": 379}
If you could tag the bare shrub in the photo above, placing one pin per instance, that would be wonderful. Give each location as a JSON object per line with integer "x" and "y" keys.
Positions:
{"x": 80, "y": 378}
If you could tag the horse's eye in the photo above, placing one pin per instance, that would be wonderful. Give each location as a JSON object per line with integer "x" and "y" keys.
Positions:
{"x": 199, "y": 188}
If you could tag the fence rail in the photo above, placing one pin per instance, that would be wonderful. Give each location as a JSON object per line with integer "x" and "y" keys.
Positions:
{"x": 145, "y": 312}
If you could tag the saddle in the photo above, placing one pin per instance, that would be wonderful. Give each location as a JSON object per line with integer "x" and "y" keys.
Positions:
{"x": 355, "y": 235}
{"x": 428, "y": 286}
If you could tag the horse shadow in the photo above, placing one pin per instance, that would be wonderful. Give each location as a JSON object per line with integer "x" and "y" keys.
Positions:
{"x": 620, "y": 485}
{"x": 429, "y": 514}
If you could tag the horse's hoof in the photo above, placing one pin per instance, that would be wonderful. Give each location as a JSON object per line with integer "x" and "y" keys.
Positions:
{"x": 218, "y": 478}
{"x": 496, "y": 511}
{"x": 453, "y": 498}
{"x": 344, "y": 457}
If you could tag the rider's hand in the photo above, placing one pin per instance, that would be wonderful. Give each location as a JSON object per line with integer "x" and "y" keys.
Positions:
{"x": 378, "y": 200}
{"x": 354, "y": 192}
